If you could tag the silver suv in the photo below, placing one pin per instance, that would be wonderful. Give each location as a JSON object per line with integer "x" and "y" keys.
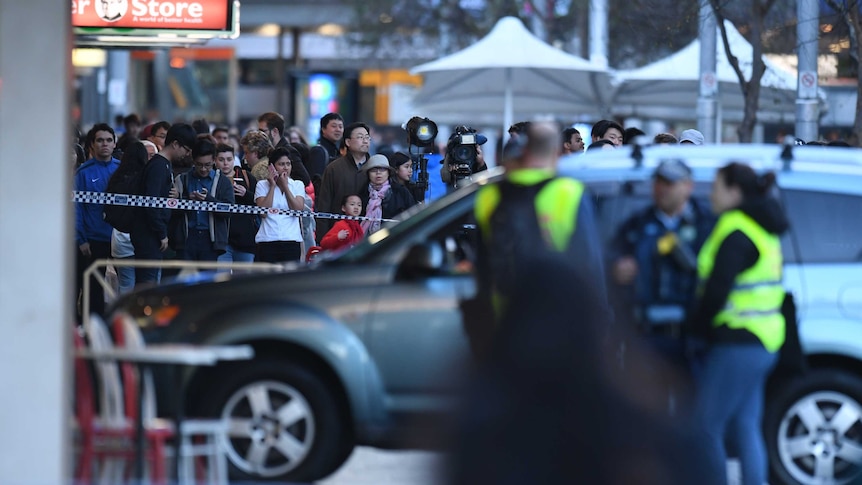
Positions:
{"x": 813, "y": 422}
{"x": 364, "y": 348}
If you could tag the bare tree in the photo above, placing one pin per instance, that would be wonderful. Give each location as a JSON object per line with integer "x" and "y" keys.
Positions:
{"x": 641, "y": 31}
{"x": 750, "y": 87}
{"x": 848, "y": 10}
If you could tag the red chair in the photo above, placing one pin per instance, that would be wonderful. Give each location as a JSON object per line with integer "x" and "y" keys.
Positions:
{"x": 105, "y": 441}
{"x": 201, "y": 438}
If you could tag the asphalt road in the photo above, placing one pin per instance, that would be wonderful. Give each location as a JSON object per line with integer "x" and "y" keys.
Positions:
{"x": 370, "y": 466}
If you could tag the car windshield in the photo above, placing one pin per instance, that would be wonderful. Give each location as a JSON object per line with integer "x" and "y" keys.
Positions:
{"x": 413, "y": 217}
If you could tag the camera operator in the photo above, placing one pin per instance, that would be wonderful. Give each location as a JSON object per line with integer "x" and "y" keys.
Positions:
{"x": 464, "y": 156}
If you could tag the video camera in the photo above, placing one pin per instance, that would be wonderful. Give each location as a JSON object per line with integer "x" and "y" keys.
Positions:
{"x": 461, "y": 154}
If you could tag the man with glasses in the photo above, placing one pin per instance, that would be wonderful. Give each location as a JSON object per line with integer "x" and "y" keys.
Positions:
{"x": 150, "y": 232}
{"x": 201, "y": 235}
{"x": 157, "y": 133}
{"x": 343, "y": 176}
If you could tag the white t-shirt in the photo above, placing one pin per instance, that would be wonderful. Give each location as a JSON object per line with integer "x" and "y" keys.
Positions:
{"x": 279, "y": 227}
{"x": 121, "y": 245}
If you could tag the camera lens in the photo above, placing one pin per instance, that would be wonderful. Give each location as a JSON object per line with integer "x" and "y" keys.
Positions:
{"x": 465, "y": 153}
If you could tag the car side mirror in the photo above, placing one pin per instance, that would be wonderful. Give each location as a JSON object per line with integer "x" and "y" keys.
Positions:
{"x": 423, "y": 259}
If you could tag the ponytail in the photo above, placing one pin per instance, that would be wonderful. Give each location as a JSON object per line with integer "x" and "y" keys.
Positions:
{"x": 736, "y": 174}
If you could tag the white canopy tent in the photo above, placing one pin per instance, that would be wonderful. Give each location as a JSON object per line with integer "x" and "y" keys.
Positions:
{"x": 668, "y": 88}
{"x": 510, "y": 74}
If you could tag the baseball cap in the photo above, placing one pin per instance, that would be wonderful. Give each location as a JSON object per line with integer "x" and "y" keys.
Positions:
{"x": 691, "y": 136}
{"x": 673, "y": 170}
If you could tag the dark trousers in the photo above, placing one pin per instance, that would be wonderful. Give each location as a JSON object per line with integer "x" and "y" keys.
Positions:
{"x": 148, "y": 247}
{"x": 278, "y": 251}
{"x": 98, "y": 250}
{"x": 199, "y": 247}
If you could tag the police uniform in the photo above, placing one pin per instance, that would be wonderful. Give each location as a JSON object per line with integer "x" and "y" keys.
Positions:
{"x": 665, "y": 249}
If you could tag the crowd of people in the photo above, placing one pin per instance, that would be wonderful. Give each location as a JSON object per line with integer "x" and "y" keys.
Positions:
{"x": 270, "y": 166}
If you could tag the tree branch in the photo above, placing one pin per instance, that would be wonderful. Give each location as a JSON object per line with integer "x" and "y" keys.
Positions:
{"x": 732, "y": 59}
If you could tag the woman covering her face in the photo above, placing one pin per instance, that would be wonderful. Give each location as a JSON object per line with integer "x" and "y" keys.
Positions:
{"x": 279, "y": 237}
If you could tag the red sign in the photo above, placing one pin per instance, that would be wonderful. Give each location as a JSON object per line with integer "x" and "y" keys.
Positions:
{"x": 153, "y": 14}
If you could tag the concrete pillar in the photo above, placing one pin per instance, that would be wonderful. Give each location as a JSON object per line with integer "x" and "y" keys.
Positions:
{"x": 119, "y": 85}
{"x": 807, "y": 103}
{"x": 162, "y": 72}
{"x": 599, "y": 32}
{"x": 36, "y": 241}
{"x": 233, "y": 91}
{"x": 707, "y": 100}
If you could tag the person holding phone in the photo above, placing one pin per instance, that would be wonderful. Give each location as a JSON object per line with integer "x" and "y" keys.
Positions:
{"x": 279, "y": 237}
{"x": 201, "y": 235}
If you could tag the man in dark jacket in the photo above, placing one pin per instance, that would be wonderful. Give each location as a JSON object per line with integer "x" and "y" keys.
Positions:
{"x": 331, "y": 131}
{"x": 202, "y": 235}
{"x": 343, "y": 176}
{"x": 150, "y": 233}
{"x": 654, "y": 267}
{"x": 243, "y": 227}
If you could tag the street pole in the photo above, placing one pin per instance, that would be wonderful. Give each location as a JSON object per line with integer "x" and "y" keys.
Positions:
{"x": 707, "y": 100}
{"x": 599, "y": 32}
{"x": 807, "y": 102}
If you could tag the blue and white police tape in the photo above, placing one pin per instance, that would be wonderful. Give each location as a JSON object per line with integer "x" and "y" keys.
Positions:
{"x": 186, "y": 204}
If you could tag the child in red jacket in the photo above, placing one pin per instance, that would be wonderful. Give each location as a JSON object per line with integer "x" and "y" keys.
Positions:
{"x": 345, "y": 233}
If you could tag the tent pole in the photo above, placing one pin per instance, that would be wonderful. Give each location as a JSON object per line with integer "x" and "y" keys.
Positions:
{"x": 508, "y": 109}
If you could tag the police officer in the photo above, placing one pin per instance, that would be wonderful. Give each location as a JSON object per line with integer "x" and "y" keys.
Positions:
{"x": 531, "y": 216}
{"x": 653, "y": 265}
{"x": 739, "y": 313}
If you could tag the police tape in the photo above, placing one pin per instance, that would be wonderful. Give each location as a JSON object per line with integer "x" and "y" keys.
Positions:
{"x": 148, "y": 201}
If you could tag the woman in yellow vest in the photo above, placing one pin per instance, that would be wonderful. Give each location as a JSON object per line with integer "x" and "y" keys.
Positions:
{"x": 738, "y": 313}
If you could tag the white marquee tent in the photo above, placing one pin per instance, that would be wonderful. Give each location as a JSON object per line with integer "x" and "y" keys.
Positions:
{"x": 668, "y": 88}
{"x": 510, "y": 75}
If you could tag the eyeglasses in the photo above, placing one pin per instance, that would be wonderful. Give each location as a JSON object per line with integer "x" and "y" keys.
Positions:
{"x": 362, "y": 137}
{"x": 162, "y": 136}
{"x": 204, "y": 165}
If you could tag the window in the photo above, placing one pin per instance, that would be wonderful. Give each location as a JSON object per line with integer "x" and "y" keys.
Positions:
{"x": 824, "y": 225}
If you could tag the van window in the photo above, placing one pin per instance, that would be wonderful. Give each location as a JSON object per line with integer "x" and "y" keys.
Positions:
{"x": 824, "y": 225}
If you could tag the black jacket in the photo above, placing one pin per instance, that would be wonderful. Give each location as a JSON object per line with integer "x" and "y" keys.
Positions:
{"x": 736, "y": 254}
{"x": 243, "y": 227}
{"x": 157, "y": 182}
{"x": 320, "y": 156}
{"x": 397, "y": 200}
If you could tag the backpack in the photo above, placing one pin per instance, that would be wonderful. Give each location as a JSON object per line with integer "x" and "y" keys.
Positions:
{"x": 122, "y": 217}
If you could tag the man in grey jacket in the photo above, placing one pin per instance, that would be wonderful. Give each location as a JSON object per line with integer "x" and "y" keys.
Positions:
{"x": 202, "y": 235}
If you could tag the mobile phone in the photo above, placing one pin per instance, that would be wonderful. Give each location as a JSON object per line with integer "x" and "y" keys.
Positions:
{"x": 203, "y": 191}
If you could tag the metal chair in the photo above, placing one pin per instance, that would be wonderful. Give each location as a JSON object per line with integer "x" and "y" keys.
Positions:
{"x": 200, "y": 438}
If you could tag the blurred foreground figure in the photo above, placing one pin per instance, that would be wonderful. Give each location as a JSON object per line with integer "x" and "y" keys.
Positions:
{"x": 531, "y": 217}
{"x": 552, "y": 406}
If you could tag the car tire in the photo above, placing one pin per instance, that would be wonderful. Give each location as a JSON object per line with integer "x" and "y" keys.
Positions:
{"x": 813, "y": 424}
{"x": 284, "y": 422}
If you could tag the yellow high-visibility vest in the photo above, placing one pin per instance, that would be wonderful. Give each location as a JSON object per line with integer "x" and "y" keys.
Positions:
{"x": 754, "y": 302}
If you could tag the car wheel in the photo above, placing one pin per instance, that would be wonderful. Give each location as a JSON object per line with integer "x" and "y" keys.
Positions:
{"x": 813, "y": 427}
{"x": 284, "y": 423}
